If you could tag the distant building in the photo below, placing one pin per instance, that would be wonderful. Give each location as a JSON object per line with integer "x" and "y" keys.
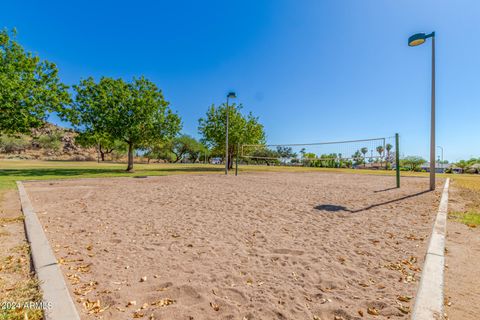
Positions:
{"x": 439, "y": 167}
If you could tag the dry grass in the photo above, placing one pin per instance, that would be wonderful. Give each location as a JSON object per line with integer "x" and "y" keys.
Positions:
{"x": 18, "y": 284}
{"x": 469, "y": 187}
{"x": 24, "y": 289}
{"x": 11, "y": 220}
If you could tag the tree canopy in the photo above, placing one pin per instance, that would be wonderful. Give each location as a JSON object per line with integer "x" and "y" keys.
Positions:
{"x": 29, "y": 87}
{"x": 134, "y": 112}
{"x": 412, "y": 162}
{"x": 243, "y": 129}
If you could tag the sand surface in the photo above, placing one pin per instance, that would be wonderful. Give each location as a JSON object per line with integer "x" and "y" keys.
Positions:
{"x": 256, "y": 246}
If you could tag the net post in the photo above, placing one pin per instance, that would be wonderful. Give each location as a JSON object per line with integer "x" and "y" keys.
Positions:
{"x": 397, "y": 159}
{"x": 236, "y": 160}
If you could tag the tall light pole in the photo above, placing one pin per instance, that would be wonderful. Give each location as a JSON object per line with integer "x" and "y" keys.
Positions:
{"x": 415, "y": 40}
{"x": 230, "y": 95}
{"x": 441, "y": 148}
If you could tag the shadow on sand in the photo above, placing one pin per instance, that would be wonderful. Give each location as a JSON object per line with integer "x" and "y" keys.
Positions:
{"x": 336, "y": 208}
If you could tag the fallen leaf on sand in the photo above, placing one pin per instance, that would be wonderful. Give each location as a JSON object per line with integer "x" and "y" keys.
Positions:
{"x": 373, "y": 311}
{"x": 84, "y": 268}
{"x": 164, "y": 302}
{"x": 74, "y": 279}
{"x": 94, "y": 306}
{"x": 138, "y": 314}
{"x": 89, "y": 247}
{"x": 215, "y": 306}
{"x": 404, "y": 298}
{"x": 360, "y": 312}
{"x": 404, "y": 309}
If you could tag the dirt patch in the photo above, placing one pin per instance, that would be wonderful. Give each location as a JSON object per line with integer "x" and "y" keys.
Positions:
{"x": 18, "y": 286}
{"x": 256, "y": 246}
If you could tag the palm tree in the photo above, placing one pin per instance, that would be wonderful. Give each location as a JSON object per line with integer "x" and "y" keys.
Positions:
{"x": 388, "y": 147}
{"x": 380, "y": 150}
{"x": 302, "y": 152}
{"x": 364, "y": 150}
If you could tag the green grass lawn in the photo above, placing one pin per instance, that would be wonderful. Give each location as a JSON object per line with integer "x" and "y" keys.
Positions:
{"x": 13, "y": 170}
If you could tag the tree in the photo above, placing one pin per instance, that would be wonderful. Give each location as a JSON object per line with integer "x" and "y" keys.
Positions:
{"x": 242, "y": 130}
{"x": 185, "y": 145}
{"x": 413, "y": 162}
{"x": 380, "y": 150}
{"x": 197, "y": 152}
{"x": 389, "y": 148}
{"x": 135, "y": 113}
{"x": 357, "y": 158}
{"x": 309, "y": 159}
{"x": 303, "y": 151}
{"x": 99, "y": 141}
{"x": 159, "y": 151}
{"x": 29, "y": 87}
{"x": 364, "y": 151}
{"x": 265, "y": 155}
{"x": 462, "y": 164}
{"x": 285, "y": 153}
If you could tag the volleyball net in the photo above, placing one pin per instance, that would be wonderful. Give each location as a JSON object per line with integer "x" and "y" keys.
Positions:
{"x": 372, "y": 153}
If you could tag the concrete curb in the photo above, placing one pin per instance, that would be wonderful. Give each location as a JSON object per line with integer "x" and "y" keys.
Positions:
{"x": 56, "y": 298}
{"x": 429, "y": 299}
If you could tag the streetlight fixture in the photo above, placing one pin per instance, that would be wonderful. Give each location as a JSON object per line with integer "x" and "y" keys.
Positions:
{"x": 230, "y": 95}
{"x": 416, "y": 40}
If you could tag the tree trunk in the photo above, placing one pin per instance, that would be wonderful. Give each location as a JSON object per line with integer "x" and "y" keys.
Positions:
{"x": 102, "y": 155}
{"x": 130, "y": 157}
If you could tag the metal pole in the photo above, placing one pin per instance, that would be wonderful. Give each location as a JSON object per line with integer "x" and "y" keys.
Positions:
{"x": 441, "y": 148}
{"x": 236, "y": 165}
{"x": 226, "y": 142}
{"x": 432, "y": 128}
{"x": 397, "y": 159}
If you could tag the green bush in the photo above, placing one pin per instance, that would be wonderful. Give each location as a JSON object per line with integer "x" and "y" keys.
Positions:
{"x": 51, "y": 142}
{"x": 11, "y": 144}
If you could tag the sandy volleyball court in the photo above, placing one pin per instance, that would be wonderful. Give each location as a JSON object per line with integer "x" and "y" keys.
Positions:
{"x": 256, "y": 246}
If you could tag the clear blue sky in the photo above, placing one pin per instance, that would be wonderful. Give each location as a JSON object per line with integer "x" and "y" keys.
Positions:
{"x": 311, "y": 70}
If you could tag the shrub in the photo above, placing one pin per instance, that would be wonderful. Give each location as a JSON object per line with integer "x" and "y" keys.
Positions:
{"x": 51, "y": 142}
{"x": 11, "y": 144}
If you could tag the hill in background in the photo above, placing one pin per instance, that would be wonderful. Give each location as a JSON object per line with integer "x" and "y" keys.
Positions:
{"x": 49, "y": 142}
